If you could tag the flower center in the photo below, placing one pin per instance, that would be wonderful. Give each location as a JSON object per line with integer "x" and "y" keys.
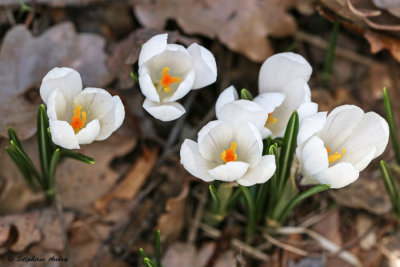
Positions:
{"x": 270, "y": 120}
{"x": 335, "y": 156}
{"x": 167, "y": 80}
{"x": 79, "y": 119}
{"x": 229, "y": 154}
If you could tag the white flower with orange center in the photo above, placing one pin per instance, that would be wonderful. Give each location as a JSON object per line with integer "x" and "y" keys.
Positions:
{"x": 283, "y": 88}
{"x": 167, "y": 72}
{"x": 78, "y": 116}
{"x": 334, "y": 149}
{"x": 228, "y": 152}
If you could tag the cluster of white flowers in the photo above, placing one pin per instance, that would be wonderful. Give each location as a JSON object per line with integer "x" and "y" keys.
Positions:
{"x": 331, "y": 149}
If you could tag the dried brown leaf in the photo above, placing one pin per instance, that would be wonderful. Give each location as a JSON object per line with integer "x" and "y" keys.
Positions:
{"x": 132, "y": 182}
{"x": 379, "y": 42}
{"x": 172, "y": 221}
{"x": 42, "y": 227}
{"x": 25, "y": 60}
{"x": 241, "y": 25}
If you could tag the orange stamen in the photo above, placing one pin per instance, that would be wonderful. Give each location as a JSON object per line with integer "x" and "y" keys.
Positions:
{"x": 229, "y": 154}
{"x": 167, "y": 80}
{"x": 79, "y": 119}
{"x": 335, "y": 156}
{"x": 270, "y": 120}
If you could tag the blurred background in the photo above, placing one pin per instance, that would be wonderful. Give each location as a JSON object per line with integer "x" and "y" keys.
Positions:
{"x": 137, "y": 184}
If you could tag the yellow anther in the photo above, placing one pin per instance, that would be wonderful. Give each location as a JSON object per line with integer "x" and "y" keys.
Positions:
{"x": 229, "y": 154}
{"x": 335, "y": 156}
{"x": 167, "y": 80}
{"x": 270, "y": 120}
{"x": 79, "y": 119}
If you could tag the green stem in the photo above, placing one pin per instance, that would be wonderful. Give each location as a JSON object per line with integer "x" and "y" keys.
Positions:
{"x": 392, "y": 124}
{"x": 390, "y": 186}
{"x": 251, "y": 210}
{"x": 330, "y": 54}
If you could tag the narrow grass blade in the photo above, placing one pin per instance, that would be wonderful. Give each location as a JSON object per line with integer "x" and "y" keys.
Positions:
{"x": 288, "y": 149}
{"x": 149, "y": 263}
{"x": 43, "y": 141}
{"x": 157, "y": 248}
{"x": 251, "y": 211}
{"x": 13, "y": 136}
{"x": 142, "y": 253}
{"x": 300, "y": 197}
{"x": 389, "y": 184}
{"x": 214, "y": 195}
{"x": 52, "y": 171}
{"x": 245, "y": 94}
{"x": 22, "y": 168}
{"x": 27, "y": 162}
{"x": 65, "y": 153}
{"x": 392, "y": 124}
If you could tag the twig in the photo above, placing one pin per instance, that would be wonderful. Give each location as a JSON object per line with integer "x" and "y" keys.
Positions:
{"x": 237, "y": 244}
{"x": 287, "y": 247}
{"x": 339, "y": 51}
{"x": 197, "y": 217}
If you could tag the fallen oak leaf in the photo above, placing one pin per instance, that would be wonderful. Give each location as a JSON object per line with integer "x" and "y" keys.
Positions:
{"x": 132, "y": 182}
{"x": 379, "y": 42}
{"x": 25, "y": 60}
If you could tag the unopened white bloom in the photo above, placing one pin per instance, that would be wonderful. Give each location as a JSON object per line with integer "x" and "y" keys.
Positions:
{"x": 78, "y": 116}
{"x": 334, "y": 149}
{"x": 283, "y": 88}
{"x": 229, "y": 151}
{"x": 167, "y": 72}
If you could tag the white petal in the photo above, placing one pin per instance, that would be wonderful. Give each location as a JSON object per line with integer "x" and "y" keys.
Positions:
{"x": 204, "y": 66}
{"x": 338, "y": 176}
{"x": 249, "y": 143}
{"x": 311, "y": 125}
{"x": 314, "y": 157}
{"x": 307, "y": 109}
{"x": 230, "y": 171}
{"x": 96, "y": 102}
{"x": 154, "y": 46}
{"x": 63, "y": 135}
{"x": 177, "y": 47}
{"x": 240, "y": 111}
{"x": 57, "y": 107}
{"x": 297, "y": 92}
{"x": 265, "y": 132}
{"x": 147, "y": 86}
{"x": 359, "y": 158}
{"x": 270, "y": 101}
{"x": 112, "y": 120}
{"x": 228, "y": 95}
{"x": 214, "y": 138}
{"x": 193, "y": 162}
{"x": 184, "y": 87}
{"x": 339, "y": 125}
{"x": 88, "y": 134}
{"x": 67, "y": 80}
{"x": 164, "y": 111}
{"x": 280, "y": 69}
{"x": 373, "y": 130}
{"x": 260, "y": 173}
{"x": 282, "y": 115}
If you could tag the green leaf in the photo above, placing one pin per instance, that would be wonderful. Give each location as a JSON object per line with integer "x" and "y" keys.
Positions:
{"x": 66, "y": 153}
{"x": 135, "y": 77}
{"x": 389, "y": 185}
{"x": 142, "y": 253}
{"x": 43, "y": 141}
{"x": 157, "y": 248}
{"x": 26, "y": 161}
{"x": 300, "y": 197}
{"x": 330, "y": 54}
{"x": 214, "y": 195}
{"x": 52, "y": 171}
{"x": 392, "y": 124}
{"x": 149, "y": 263}
{"x": 22, "y": 168}
{"x": 288, "y": 149}
{"x": 13, "y": 136}
{"x": 251, "y": 213}
{"x": 245, "y": 94}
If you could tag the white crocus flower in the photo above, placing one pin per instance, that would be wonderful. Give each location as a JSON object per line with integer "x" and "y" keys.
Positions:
{"x": 229, "y": 152}
{"x": 334, "y": 149}
{"x": 78, "y": 116}
{"x": 167, "y": 72}
{"x": 283, "y": 88}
